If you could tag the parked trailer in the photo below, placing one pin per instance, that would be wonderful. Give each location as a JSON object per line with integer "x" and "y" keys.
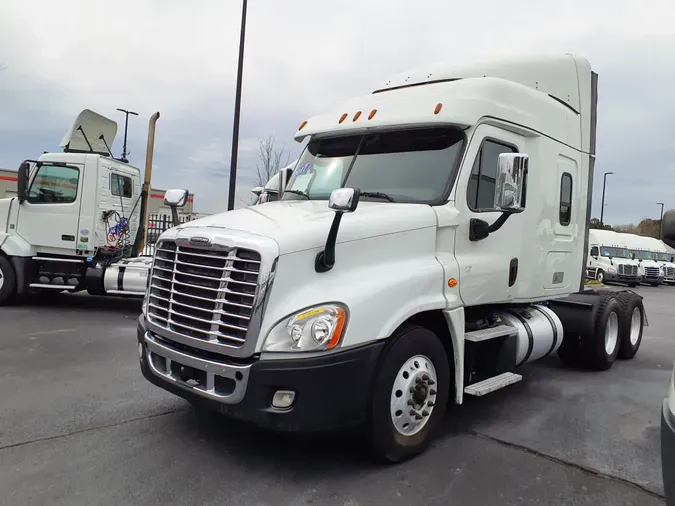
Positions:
{"x": 609, "y": 261}
{"x": 416, "y": 257}
{"x": 77, "y": 221}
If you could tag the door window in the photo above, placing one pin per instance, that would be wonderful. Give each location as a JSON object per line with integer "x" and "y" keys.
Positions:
{"x": 121, "y": 186}
{"x": 483, "y": 181}
{"x": 54, "y": 184}
{"x": 594, "y": 251}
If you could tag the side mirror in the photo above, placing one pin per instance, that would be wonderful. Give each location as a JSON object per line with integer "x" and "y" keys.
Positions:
{"x": 510, "y": 182}
{"x": 668, "y": 226}
{"x": 22, "y": 181}
{"x": 176, "y": 198}
{"x": 344, "y": 200}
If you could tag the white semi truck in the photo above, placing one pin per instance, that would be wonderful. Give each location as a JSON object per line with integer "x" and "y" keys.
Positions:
{"x": 75, "y": 222}
{"x": 650, "y": 271}
{"x": 662, "y": 257}
{"x": 432, "y": 239}
{"x": 608, "y": 261}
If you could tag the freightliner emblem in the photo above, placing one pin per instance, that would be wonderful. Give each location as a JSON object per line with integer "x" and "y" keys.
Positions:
{"x": 201, "y": 241}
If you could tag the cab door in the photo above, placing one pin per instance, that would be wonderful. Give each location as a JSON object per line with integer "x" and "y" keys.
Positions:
{"x": 49, "y": 217}
{"x": 490, "y": 268}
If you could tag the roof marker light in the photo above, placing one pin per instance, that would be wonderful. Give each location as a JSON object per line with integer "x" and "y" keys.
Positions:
{"x": 438, "y": 108}
{"x": 357, "y": 115}
{"x": 302, "y": 125}
{"x": 343, "y": 117}
{"x": 372, "y": 114}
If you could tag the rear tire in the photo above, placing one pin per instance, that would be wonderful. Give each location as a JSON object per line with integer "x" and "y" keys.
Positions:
{"x": 406, "y": 408}
{"x": 601, "y": 347}
{"x": 7, "y": 281}
{"x": 632, "y": 324}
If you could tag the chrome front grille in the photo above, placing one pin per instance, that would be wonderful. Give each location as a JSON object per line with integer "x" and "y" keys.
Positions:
{"x": 628, "y": 270}
{"x": 669, "y": 272}
{"x": 204, "y": 293}
{"x": 651, "y": 272}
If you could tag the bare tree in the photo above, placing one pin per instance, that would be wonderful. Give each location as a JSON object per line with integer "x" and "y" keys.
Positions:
{"x": 270, "y": 160}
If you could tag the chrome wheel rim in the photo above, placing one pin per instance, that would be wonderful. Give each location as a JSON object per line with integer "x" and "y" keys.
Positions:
{"x": 2, "y": 279}
{"x": 601, "y": 277}
{"x": 635, "y": 326}
{"x": 413, "y": 395}
{"x": 611, "y": 333}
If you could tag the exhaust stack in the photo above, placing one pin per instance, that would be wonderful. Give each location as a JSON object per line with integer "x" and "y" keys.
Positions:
{"x": 145, "y": 193}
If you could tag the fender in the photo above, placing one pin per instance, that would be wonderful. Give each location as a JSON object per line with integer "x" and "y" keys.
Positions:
{"x": 14, "y": 246}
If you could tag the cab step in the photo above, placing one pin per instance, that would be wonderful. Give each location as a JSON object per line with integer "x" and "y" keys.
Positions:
{"x": 490, "y": 333}
{"x": 491, "y": 384}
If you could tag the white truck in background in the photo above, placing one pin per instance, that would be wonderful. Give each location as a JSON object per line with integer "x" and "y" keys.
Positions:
{"x": 415, "y": 257}
{"x": 75, "y": 223}
{"x": 662, "y": 257}
{"x": 608, "y": 261}
{"x": 651, "y": 273}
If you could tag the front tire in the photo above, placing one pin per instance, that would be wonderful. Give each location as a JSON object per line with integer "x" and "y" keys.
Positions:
{"x": 600, "y": 276}
{"x": 7, "y": 280}
{"x": 410, "y": 394}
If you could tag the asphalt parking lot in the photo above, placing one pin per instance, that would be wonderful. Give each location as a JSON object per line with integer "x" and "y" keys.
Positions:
{"x": 79, "y": 425}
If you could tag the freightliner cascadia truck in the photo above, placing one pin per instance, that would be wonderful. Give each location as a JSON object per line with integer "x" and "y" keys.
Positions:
{"x": 432, "y": 239}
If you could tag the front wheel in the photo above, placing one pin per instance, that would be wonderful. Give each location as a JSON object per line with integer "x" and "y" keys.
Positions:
{"x": 410, "y": 394}
{"x": 600, "y": 277}
{"x": 7, "y": 280}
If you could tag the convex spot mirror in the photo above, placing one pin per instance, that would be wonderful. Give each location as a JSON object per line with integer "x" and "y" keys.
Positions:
{"x": 511, "y": 174}
{"x": 668, "y": 227}
{"x": 344, "y": 200}
{"x": 176, "y": 198}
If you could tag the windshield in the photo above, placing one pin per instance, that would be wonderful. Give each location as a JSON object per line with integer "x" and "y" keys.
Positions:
{"x": 406, "y": 165}
{"x": 664, "y": 257}
{"x": 642, "y": 254}
{"x": 607, "y": 251}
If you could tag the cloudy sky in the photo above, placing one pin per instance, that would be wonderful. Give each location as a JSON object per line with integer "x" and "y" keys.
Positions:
{"x": 179, "y": 57}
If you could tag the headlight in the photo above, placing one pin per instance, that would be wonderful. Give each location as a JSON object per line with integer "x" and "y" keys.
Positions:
{"x": 611, "y": 270}
{"x": 315, "y": 329}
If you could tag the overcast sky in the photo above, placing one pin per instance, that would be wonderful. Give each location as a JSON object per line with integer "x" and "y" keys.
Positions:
{"x": 179, "y": 57}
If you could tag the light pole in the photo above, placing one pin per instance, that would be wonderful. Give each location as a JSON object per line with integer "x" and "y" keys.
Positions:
{"x": 602, "y": 209}
{"x": 237, "y": 108}
{"x": 660, "y": 221}
{"x": 126, "y": 127}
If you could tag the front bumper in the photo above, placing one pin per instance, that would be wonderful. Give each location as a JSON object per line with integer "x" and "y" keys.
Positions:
{"x": 331, "y": 392}
{"x": 620, "y": 278}
{"x": 668, "y": 453}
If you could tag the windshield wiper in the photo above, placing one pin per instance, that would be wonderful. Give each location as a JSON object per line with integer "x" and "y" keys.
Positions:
{"x": 378, "y": 195}
{"x": 297, "y": 192}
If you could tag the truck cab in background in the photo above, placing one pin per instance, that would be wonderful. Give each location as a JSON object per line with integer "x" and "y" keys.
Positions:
{"x": 661, "y": 257}
{"x": 608, "y": 261}
{"x": 416, "y": 257}
{"x": 76, "y": 222}
{"x": 650, "y": 271}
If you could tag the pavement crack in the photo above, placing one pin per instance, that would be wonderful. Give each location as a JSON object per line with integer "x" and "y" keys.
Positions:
{"x": 89, "y": 429}
{"x": 568, "y": 463}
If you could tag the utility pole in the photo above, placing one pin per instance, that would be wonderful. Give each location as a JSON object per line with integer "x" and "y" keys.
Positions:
{"x": 660, "y": 221}
{"x": 602, "y": 209}
{"x": 126, "y": 127}
{"x": 237, "y": 108}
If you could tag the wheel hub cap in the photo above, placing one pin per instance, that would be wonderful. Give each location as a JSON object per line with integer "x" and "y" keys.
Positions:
{"x": 611, "y": 333}
{"x": 413, "y": 395}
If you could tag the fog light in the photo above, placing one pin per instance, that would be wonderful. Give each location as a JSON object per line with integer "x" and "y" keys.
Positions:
{"x": 283, "y": 399}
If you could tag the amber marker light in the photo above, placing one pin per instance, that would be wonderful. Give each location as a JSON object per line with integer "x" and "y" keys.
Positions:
{"x": 343, "y": 117}
{"x": 438, "y": 108}
{"x": 357, "y": 116}
{"x": 372, "y": 114}
{"x": 452, "y": 282}
{"x": 302, "y": 125}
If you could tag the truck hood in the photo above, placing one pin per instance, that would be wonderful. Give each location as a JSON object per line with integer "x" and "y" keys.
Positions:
{"x": 302, "y": 225}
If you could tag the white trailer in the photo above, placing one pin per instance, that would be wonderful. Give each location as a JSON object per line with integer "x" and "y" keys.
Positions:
{"x": 416, "y": 257}
{"x": 650, "y": 271}
{"x": 76, "y": 223}
{"x": 609, "y": 261}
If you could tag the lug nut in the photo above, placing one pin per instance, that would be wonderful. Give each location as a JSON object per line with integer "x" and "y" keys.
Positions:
{"x": 418, "y": 380}
{"x": 431, "y": 382}
{"x": 425, "y": 413}
{"x": 418, "y": 416}
{"x": 432, "y": 392}
{"x": 430, "y": 404}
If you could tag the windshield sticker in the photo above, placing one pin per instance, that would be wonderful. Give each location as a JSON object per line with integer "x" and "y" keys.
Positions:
{"x": 304, "y": 169}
